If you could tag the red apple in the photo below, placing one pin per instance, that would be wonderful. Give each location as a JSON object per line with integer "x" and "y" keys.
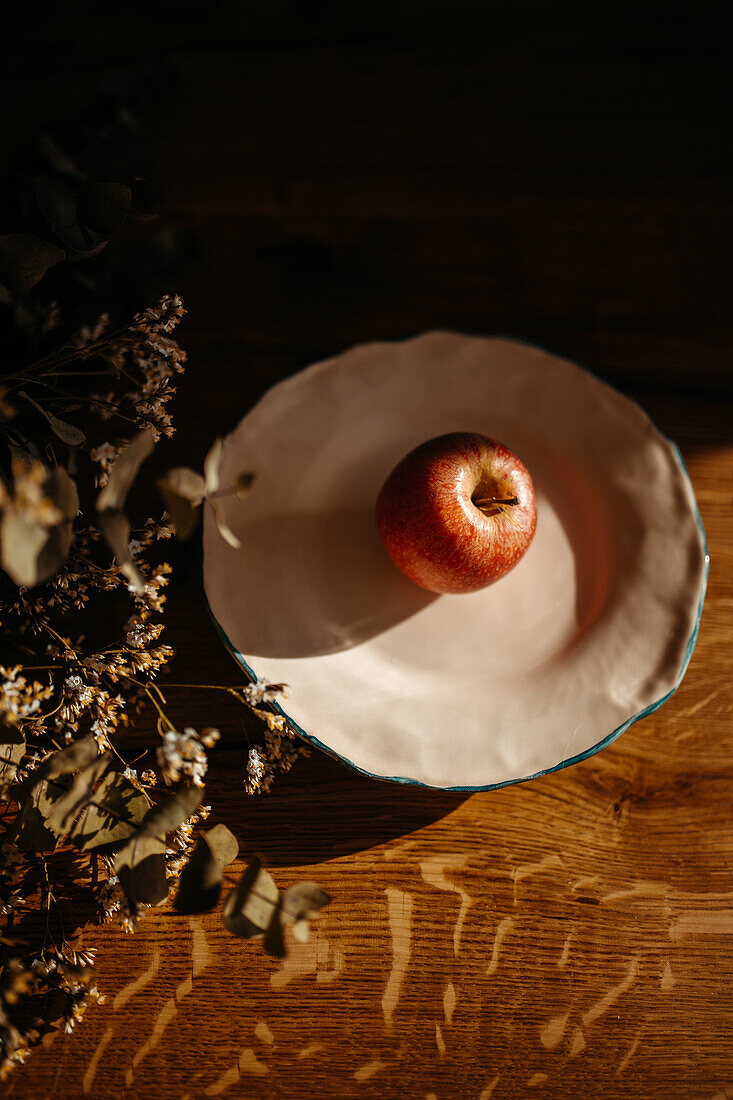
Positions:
{"x": 457, "y": 513}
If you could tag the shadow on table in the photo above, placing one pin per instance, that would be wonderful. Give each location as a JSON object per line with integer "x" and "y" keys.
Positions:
{"x": 320, "y": 811}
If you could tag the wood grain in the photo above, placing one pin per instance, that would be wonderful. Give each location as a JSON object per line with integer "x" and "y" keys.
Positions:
{"x": 577, "y": 927}
{"x": 558, "y": 179}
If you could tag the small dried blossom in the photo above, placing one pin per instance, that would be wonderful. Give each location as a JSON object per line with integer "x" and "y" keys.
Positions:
{"x": 30, "y": 497}
{"x": 182, "y": 756}
{"x": 61, "y": 971}
{"x": 20, "y": 699}
{"x": 163, "y": 317}
{"x": 105, "y": 455}
{"x": 257, "y": 772}
{"x": 262, "y": 691}
{"x": 13, "y": 864}
{"x": 90, "y": 334}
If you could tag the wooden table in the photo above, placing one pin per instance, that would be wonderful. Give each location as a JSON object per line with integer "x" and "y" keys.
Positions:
{"x": 558, "y": 178}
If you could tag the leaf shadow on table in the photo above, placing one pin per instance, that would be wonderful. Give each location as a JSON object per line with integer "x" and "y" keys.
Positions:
{"x": 320, "y": 811}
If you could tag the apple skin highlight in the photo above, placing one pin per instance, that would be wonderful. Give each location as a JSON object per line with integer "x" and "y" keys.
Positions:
{"x": 433, "y": 530}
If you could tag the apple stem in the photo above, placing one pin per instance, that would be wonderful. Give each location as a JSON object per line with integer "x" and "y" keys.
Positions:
{"x": 490, "y": 502}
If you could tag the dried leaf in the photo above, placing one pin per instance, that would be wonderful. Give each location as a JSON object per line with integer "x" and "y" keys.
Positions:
{"x": 184, "y": 482}
{"x": 104, "y": 206}
{"x": 79, "y": 254}
{"x": 115, "y": 526}
{"x": 112, "y": 816}
{"x": 124, "y": 471}
{"x": 71, "y": 759}
{"x": 67, "y": 433}
{"x": 57, "y": 199}
{"x": 25, "y": 259}
{"x": 146, "y": 198}
{"x": 224, "y": 530}
{"x": 253, "y": 903}
{"x": 55, "y": 550}
{"x": 62, "y": 491}
{"x": 60, "y": 488}
{"x": 49, "y": 148}
{"x": 301, "y": 931}
{"x": 140, "y": 867}
{"x": 212, "y": 467}
{"x": 31, "y": 552}
{"x": 200, "y": 882}
{"x": 140, "y": 864}
{"x": 274, "y": 939}
{"x": 223, "y": 845}
{"x": 242, "y": 484}
{"x": 12, "y": 750}
{"x": 303, "y": 901}
{"x": 21, "y": 542}
{"x": 212, "y": 482}
{"x": 67, "y": 808}
{"x": 31, "y": 832}
{"x": 172, "y": 810}
{"x": 182, "y": 490}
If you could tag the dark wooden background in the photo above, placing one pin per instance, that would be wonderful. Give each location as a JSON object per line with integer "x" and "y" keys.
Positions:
{"x": 557, "y": 172}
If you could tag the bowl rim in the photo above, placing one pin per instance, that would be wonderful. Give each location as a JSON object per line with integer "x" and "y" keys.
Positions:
{"x": 609, "y": 738}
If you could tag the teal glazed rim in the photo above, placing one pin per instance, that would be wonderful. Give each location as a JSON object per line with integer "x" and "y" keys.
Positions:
{"x": 577, "y": 759}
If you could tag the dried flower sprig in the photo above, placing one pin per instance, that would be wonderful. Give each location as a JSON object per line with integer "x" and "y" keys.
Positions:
{"x": 66, "y": 692}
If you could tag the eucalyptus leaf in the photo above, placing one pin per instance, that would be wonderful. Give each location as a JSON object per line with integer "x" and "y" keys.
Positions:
{"x": 140, "y": 867}
{"x": 199, "y": 885}
{"x": 113, "y": 815}
{"x": 182, "y": 490}
{"x": 224, "y": 529}
{"x": 301, "y": 931}
{"x": 31, "y": 832}
{"x": 274, "y": 939}
{"x": 115, "y": 526}
{"x": 12, "y": 751}
{"x": 60, "y": 488}
{"x": 145, "y": 199}
{"x": 124, "y": 471}
{"x": 223, "y": 845}
{"x": 212, "y": 467}
{"x": 86, "y": 253}
{"x": 21, "y": 542}
{"x": 173, "y": 809}
{"x": 67, "y": 433}
{"x": 242, "y": 484}
{"x": 30, "y": 551}
{"x": 212, "y": 482}
{"x": 67, "y": 808}
{"x": 25, "y": 259}
{"x": 200, "y": 881}
{"x": 140, "y": 864}
{"x": 253, "y": 903}
{"x": 105, "y": 205}
{"x": 70, "y": 759}
{"x": 57, "y": 198}
{"x": 303, "y": 901}
{"x": 113, "y": 523}
{"x": 54, "y": 551}
{"x": 49, "y": 148}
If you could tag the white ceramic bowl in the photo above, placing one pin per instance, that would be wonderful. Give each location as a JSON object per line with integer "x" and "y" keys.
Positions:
{"x": 590, "y": 632}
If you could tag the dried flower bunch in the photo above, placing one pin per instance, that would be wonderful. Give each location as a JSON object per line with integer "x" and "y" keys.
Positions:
{"x": 75, "y": 810}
